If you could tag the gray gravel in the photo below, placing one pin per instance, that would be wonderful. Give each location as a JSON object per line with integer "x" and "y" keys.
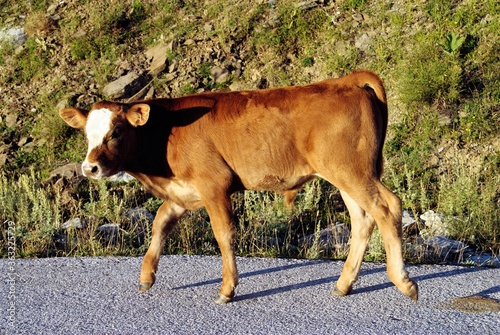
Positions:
{"x": 275, "y": 296}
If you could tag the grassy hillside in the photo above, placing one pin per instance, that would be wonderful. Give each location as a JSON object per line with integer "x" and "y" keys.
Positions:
{"x": 439, "y": 60}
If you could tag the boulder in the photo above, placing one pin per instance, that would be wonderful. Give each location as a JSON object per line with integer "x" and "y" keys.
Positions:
{"x": 3, "y": 159}
{"x": 124, "y": 86}
{"x": 408, "y": 218}
{"x": 136, "y": 215}
{"x": 108, "y": 233}
{"x": 13, "y": 36}
{"x": 11, "y": 120}
{"x": 157, "y": 55}
{"x": 484, "y": 259}
{"x": 121, "y": 177}
{"x": 336, "y": 237}
{"x": 434, "y": 223}
{"x": 69, "y": 171}
{"x": 219, "y": 74}
{"x": 363, "y": 42}
{"x": 444, "y": 245}
{"x": 75, "y": 223}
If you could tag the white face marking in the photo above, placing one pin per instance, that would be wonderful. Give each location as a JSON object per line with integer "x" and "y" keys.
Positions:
{"x": 98, "y": 125}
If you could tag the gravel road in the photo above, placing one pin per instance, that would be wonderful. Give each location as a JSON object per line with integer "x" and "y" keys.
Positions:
{"x": 275, "y": 296}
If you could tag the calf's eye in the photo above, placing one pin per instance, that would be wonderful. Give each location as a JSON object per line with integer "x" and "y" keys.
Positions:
{"x": 117, "y": 133}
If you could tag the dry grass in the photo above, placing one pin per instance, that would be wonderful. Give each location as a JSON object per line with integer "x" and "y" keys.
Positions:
{"x": 443, "y": 145}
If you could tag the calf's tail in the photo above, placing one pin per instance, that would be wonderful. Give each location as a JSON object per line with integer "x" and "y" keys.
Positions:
{"x": 372, "y": 82}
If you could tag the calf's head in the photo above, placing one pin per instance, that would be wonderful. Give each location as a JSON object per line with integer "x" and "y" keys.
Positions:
{"x": 109, "y": 128}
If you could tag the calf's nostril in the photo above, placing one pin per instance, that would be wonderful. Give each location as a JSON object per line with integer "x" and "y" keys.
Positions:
{"x": 90, "y": 169}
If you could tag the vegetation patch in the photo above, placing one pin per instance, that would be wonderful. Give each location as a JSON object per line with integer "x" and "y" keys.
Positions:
{"x": 438, "y": 59}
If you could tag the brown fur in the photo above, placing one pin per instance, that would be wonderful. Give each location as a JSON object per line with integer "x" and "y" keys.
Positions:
{"x": 196, "y": 150}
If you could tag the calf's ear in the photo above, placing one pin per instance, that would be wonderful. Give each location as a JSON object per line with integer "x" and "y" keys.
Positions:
{"x": 74, "y": 117}
{"x": 138, "y": 114}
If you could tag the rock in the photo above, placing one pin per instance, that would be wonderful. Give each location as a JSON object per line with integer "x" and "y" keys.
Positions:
{"x": 172, "y": 45}
{"x": 481, "y": 259}
{"x": 136, "y": 215}
{"x": 3, "y": 159}
{"x": 139, "y": 95}
{"x": 434, "y": 161}
{"x": 79, "y": 34}
{"x": 61, "y": 241}
{"x": 108, "y": 233}
{"x": 64, "y": 181}
{"x": 68, "y": 171}
{"x": 363, "y": 42}
{"x": 327, "y": 239}
{"x": 219, "y": 74}
{"x": 52, "y": 8}
{"x": 304, "y": 5}
{"x": 408, "y": 219}
{"x": 237, "y": 86}
{"x": 158, "y": 57}
{"x": 150, "y": 94}
{"x": 430, "y": 217}
{"x": 73, "y": 223}
{"x": 121, "y": 177}
{"x": 358, "y": 17}
{"x": 342, "y": 48}
{"x": 13, "y": 36}
{"x": 24, "y": 141}
{"x": 11, "y": 120}
{"x": 208, "y": 27}
{"x": 124, "y": 86}
{"x": 173, "y": 67}
{"x": 170, "y": 76}
{"x": 434, "y": 224}
{"x": 444, "y": 245}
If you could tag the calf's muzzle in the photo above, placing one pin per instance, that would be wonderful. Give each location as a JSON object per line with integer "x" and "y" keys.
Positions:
{"x": 91, "y": 170}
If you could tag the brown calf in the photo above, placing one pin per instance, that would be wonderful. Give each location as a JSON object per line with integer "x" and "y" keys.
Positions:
{"x": 196, "y": 150}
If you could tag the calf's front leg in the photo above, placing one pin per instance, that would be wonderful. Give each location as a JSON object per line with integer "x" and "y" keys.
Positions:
{"x": 165, "y": 220}
{"x": 221, "y": 220}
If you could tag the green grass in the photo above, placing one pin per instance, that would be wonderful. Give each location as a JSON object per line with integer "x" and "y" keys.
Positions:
{"x": 438, "y": 58}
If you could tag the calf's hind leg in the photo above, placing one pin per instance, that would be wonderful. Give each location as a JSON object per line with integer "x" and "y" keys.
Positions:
{"x": 385, "y": 208}
{"x": 165, "y": 220}
{"x": 361, "y": 229}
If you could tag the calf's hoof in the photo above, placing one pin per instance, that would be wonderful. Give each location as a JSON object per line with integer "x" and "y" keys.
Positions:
{"x": 338, "y": 292}
{"x": 413, "y": 292}
{"x": 222, "y": 299}
{"x": 143, "y": 287}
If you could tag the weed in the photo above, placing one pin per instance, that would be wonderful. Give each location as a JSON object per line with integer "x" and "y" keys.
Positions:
{"x": 187, "y": 89}
{"x": 375, "y": 250}
{"x": 469, "y": 194}
{"x": 204, "y": 69}
{"x": 307, "y": 61}
{"x": 36, "y": 215}
{"x": 439, "y": 61}
{"x": 427, "y": 77}
{"x": 31, "y": 62}
{"x": 354, "y": 4}
{"x": 315, "y": 251}
{"x": 452, "y": 43}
